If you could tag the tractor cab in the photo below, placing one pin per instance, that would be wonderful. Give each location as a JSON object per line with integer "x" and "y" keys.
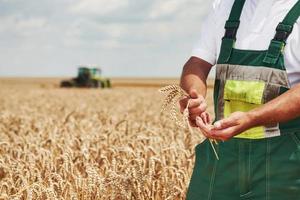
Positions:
{"x": 96, "y": 72}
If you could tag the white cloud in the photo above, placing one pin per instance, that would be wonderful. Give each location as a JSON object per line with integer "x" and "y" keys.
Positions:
{"x": 98, "y": 7}
{"x": 83, "y": 32}
{"x": 166, "y": 8}
{"x": 31, "y": 23}
{"x": 20, "y": 26}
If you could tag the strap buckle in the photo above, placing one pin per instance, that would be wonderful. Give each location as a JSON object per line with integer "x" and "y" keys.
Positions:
{"x": 282, "y": 32}
{"x": 281, "y": 36}
{"x": 231, "y": 28}
{"x": 230, "y": 33}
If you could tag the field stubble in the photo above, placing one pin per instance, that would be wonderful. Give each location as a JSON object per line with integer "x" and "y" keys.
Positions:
{"x": 91, "y": 144}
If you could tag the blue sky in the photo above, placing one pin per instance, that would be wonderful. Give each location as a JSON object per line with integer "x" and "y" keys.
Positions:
{"x": 149, "y": 38}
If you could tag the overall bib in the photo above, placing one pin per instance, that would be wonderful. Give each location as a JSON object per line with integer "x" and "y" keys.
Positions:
{"x": 262, "y": 163}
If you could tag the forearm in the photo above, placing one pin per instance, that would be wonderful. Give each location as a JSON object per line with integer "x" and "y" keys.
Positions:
{"x": 280, "y": 109}
{"x": 194, "y": 75}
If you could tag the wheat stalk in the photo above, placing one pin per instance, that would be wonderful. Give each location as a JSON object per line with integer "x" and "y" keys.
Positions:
{"x": 173, "y": 93}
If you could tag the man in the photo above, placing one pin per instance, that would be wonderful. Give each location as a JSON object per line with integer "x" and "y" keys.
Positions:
{"x": 257, "y": 101}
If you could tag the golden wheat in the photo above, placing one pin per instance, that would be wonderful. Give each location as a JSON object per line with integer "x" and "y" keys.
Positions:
{"x": 91, "y": 144}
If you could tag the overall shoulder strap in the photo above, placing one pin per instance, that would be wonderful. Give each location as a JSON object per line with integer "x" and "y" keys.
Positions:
{"x": 231, "y": 27}
{"x": 283, "y": 30}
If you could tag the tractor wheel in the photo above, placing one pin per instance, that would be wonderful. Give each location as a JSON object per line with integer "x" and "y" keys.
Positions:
{"x": 90, "y": 84}
{"x": 66, "y": 84}
{"x": 102, "y": 84}
{"x": 95, "y": 84}
{"x": 108, "y": 83}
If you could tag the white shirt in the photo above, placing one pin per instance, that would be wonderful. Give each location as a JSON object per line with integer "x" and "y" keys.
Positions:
{"x": 257, "y": 27}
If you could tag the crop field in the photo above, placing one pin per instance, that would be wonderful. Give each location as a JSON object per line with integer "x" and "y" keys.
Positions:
{"x": 91, "y": 143}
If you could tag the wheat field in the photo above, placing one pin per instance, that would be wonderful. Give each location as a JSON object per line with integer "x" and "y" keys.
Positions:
{"x": 91, "y": 144}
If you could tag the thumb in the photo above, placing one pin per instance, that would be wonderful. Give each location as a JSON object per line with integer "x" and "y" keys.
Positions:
{"x": 194, "y": 94}
{"x": 225, "y": 123}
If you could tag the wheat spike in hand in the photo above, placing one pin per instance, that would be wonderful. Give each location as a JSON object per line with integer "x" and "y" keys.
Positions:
{"x": 173, "y": 94}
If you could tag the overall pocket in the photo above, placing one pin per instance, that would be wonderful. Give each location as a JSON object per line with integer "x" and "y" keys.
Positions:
{"x": 244, "y": 96}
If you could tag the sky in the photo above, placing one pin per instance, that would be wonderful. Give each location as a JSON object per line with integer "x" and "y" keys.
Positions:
{"x": 126, "y": 38}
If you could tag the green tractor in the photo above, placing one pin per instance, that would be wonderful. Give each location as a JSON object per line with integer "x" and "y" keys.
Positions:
{"x": 87, "y": 78}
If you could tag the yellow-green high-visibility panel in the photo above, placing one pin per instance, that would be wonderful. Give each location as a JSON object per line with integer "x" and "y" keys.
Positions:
{"x": 244, "y": 96}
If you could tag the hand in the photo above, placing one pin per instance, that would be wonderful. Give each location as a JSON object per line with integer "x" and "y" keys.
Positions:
{"x": 227, "y": 128}
{"x": 197, "y": 107}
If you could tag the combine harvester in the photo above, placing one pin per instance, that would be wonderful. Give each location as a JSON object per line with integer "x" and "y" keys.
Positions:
{"x": 88, "y": 77}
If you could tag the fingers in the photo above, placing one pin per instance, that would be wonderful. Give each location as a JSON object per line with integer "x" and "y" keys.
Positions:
{"x": 204, "y": 117}
{"x": 225, "y": 123}
{"x": 200, "y": 123}
{"x": 202, "y": 126}
{"x": 196, "y": 106}
{"x": 224, "y": 129}
{"x": 199, "y": 109}
{"x": 196, "y": 102}
{"x": 224, "y": 134}
{"x": 196, "y": 99}
{"x": 209, "y": 132}
{"x": 208, "y": 117}
{"x": 206, "y": 130}
{"x": 194, "y": 94}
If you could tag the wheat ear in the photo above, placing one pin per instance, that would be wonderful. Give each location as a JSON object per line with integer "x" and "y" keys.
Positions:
{"x": 173, "y": 93}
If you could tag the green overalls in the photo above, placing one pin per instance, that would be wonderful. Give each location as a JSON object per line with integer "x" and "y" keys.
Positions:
{"x": 263, "y": 162}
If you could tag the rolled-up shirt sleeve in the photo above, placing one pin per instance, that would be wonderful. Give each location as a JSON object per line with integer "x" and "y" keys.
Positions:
{"x": 206, "y": 46}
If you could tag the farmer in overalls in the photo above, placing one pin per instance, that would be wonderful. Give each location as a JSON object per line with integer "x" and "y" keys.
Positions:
{"x": 256, "y": 98}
